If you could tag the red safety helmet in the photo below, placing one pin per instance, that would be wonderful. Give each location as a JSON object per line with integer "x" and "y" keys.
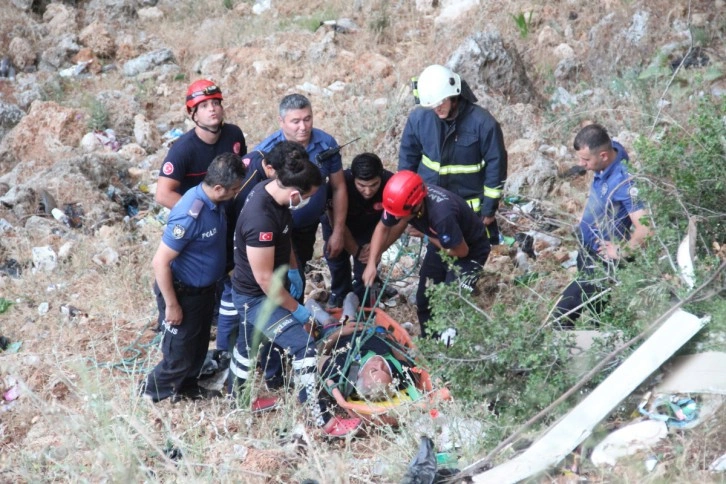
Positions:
{"x": 201, "y": 90}
{"x": 403, "y": 192}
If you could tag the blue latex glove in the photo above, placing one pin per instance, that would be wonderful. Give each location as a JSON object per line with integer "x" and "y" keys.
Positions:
{"x": 296, "y": 283}
{"x": 301, "y": 314}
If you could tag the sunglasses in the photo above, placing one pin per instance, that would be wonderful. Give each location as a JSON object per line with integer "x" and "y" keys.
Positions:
{"x": 207, "y": 91}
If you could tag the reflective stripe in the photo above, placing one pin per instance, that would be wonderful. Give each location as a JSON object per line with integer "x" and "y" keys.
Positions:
{"x": 306, "y": 379}
{"x": 227, "y": 304}
{"x": 450, "y": 169}
{"x": 239, "y": 373}
{"x": 228, "y": 312}
{"x": 241, "y": 359}
{"x": 304, "y": 363}
{"x": 492, "y": 192}
{"x": 475, "y": 204}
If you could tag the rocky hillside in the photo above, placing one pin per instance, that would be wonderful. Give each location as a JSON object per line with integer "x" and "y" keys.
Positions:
{"x": 92, "y": 94}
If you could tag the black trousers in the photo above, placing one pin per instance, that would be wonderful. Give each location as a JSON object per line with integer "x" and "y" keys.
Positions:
{"x": 434, "y": 269}
{"x": 303, "y": 244}
{"x": 341, "y": 282}
{"x": 184, "y": 347}
{"x": 576, "y": 295}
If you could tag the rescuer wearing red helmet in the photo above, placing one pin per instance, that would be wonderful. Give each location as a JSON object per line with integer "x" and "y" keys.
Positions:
{"x": 189, "y": 157}
{"x": 450, "y": 224}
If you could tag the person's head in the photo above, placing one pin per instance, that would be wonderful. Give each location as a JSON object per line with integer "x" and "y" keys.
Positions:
{"x": 404, "y": 194}
{"x": 296, "y": 118}
{"x": 296, "y": 175}
{"x": 224, "y": 177}
{"x": 204, "y": 105}
{"x": 439, "y": 88}
{"x": 367, "y": 171}
{"x": 374, "y": 379}
{"x": 594, "y": 148}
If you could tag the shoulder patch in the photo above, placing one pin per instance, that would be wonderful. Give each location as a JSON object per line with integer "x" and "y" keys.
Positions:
{"x": 196, "y": 208}
{"x": 265, "y": 236}
{"x": 168, "y": 168}
{"x": 633, "y": 192}
{"x": 178, "y": 231}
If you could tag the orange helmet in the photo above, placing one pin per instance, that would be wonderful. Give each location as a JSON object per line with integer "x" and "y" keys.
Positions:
{"x": 403, "y": 192}
{"x": 201, "y": 90}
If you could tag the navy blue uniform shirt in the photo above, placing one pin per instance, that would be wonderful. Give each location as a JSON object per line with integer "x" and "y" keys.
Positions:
{"x": 613, "y": 197}
{"x": 450, "y": 219}
{"x": 319, "y": 142}
{"x": 197, "y": 229}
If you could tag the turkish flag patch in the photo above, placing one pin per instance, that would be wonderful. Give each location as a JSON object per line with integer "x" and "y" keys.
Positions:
{"x": 168, "y": 168}
{"x": 265, "y": 236}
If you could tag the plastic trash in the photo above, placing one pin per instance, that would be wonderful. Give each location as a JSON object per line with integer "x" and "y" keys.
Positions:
{"x": 422, "y": 469}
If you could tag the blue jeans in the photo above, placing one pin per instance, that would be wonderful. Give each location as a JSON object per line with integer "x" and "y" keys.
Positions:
{"x": 228, "y": 319}
{"x": 284, "y": 331}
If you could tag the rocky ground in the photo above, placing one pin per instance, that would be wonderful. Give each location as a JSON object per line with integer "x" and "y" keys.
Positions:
{"x": 91, "y": 94}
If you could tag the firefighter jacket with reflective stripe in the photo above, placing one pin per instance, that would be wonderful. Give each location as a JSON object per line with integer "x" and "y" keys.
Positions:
{"x": 466, "y": 156}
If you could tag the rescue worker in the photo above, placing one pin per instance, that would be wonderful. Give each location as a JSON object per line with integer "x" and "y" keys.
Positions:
{"x": 187, "y": 265}
{"x": 365, "y": 181}
{"x": 188, "y": 158}
{"x": 454, "y": 143}
{"x": 296, "y": 124}
{"x": 611, "y": 227}
{"x": 448, "y": 221}
{"x": 263, "y": 245}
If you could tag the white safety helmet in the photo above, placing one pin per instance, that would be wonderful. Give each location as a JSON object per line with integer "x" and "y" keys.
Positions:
{"x": 435, "y": 84}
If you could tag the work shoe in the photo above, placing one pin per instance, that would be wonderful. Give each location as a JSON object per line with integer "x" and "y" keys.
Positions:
{"x": 342, "y": 427}
{"x": 265, "y": 404}
{"x": 334, "y": 302}
{"x": 195, "y": 393}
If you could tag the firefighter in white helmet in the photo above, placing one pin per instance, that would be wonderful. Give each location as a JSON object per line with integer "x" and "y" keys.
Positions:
{"x": 454, "y": 143}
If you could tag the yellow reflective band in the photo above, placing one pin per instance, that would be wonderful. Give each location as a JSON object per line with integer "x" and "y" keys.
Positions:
{"x": 450, "y": 169}
{"x": 492, "y": 192}
{"x": 474, "y": 203}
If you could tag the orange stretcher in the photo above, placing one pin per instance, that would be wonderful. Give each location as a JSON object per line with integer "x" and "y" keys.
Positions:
{"x": 423, "y": 396}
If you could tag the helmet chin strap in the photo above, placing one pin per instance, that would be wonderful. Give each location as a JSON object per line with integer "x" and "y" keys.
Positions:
{"x": 200, "y": 126}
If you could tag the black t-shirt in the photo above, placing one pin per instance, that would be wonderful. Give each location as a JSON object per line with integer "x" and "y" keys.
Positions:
{"x": 189, "y": 157}
{"x": 450, "y": 219}
{"x": 255, "y": 174}
{"x": 363, "y": 215}
{"x": 262, "y": 223}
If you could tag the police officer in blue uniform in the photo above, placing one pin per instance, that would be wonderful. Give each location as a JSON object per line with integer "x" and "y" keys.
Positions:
{"x": 296, "y": 124}
{"x": 365, "y": 182}
{"x": 187, "y": 265}
{"x": 450, "y": 224}
{"x": 611, "y": 227}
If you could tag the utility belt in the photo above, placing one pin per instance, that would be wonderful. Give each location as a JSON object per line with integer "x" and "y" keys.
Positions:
{"x": 182, "y": 289}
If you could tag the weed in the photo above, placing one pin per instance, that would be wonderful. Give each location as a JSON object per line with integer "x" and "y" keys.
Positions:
{"x": 523, "y": 22}
{"x": 98, "y": 115}
{"x": 228, "y": 4}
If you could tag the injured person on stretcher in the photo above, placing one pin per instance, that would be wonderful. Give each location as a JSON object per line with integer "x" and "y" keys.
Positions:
{"x": 366, "y": 362}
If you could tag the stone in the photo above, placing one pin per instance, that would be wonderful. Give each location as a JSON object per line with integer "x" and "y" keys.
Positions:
{"x": 145, "y": 133}
{"x": 21, "y": 53}
{"x": 566, "y": 69}
{"x": 547, "y": 37}
{"x": 535, "y": 180}
{"x": 150, "y": 14}
{"x": 147, "y": 62}
{"x": 96, "y": 37}
{"x": 60, "y": 19}
{"x": 60, "y": 129}
{"x": 485, "y": 59}
{"x": 564, "y": 51}
{"x": 451, "y": 10}
{"x": 373, "y": 65}
{"x": 44, "y": 258}
{"x": 58, "y": 54}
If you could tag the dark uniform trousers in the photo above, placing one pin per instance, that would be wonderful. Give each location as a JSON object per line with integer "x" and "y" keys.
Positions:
{"x": 303, "y": 244}
{"x": 577, "y": 294}
{"x": 434, "y": 268}
{"x": 341, "y": 282}
{"x": 184, "y": 347}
